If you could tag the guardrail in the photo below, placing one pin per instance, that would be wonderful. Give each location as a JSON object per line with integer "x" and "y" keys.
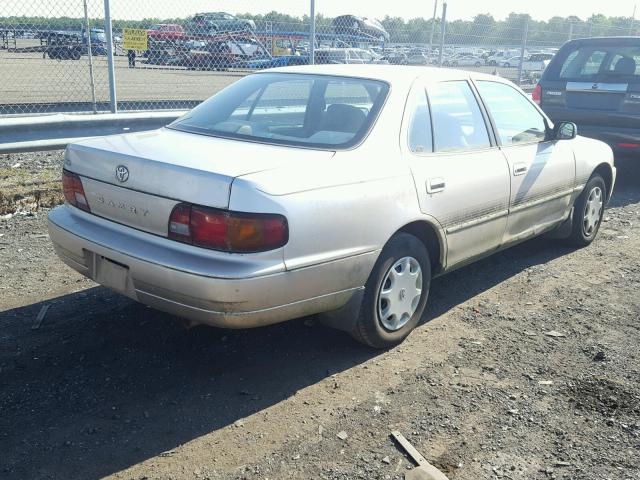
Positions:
{"x": 29, "y": 134}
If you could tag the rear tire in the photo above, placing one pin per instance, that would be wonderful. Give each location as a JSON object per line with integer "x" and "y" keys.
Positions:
{"x": 395, "y": 294}
{"x": 588, "y": 211}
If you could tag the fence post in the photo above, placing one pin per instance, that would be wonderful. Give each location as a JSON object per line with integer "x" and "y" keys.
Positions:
{"x": 442, "y": 33}
{"x": 433, "y": 25}
{"x": 90, "y": 52}
{"x": 108, "y": 29}
{"x": 525, "y": 33}
{"x": 312, "y": 34}
{"x": 571, "y": 31}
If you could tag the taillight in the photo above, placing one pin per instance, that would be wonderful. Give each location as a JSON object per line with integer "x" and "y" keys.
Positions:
{"x": 74, "y": 191}
{"x": 227, "y": 231}
{"x": 536, "y": 96}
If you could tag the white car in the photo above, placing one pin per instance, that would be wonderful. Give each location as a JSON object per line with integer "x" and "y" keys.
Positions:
{"x": 500, "y": 57}
{"x": 339, "y": 190}
{"x": 511, "y": 62}
{"x": 466, "y": 61}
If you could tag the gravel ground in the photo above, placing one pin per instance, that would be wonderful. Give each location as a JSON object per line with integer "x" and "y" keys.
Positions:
{"x": 527, "y": 367}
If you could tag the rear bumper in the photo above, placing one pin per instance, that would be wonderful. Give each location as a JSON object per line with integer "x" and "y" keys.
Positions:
{"x": 224, "y": 290}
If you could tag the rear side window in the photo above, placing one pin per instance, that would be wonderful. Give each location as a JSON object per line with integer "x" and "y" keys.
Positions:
{"x": 458, "y": 123}
{"x": 599, "y": 63}
{"x": 420, "y": 138}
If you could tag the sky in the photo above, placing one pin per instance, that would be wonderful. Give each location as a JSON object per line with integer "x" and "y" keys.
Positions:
{"x": 457, "y": 9}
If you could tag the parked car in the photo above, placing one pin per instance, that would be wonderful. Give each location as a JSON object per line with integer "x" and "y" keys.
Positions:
{"x": 360, "y": 26}
{"x": 418, "y": 59}
{"x": 537, "y": 62}
{"x": 466, "y": 61}
{"x": 210, "y": 56}
{"x": 511, "y": 62}
{"x": 218, "y": 22}
{"x": 330, "y": 189}
{"x": 595, "y": 83}
{"x": 499, "y": 58}
{"x": 397, "y": 58}
{"x": 346, "y": 56}
{"x": 166, "y": 31}
{"x": 274, "y": 62}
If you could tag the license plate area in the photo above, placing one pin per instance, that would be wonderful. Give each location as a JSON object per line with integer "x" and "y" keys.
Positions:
{"x": 109, "y": 273}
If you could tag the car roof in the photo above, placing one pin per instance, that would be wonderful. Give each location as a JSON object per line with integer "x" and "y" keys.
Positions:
{"x": 604, "y": 41}
{"x": 388, "y": 73}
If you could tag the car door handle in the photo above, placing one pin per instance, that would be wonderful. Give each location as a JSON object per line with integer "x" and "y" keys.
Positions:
{"x": 435, "y": 185}
{"x": 519, "y": 169}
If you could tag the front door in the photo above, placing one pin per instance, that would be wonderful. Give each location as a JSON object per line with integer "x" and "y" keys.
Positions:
{"x": 461, "y": 178}
{"x": 542, "y": 171}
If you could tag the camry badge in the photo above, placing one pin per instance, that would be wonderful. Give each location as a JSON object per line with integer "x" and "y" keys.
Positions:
{"x": 595, "y": 86}
{"x": 122, "y": 173}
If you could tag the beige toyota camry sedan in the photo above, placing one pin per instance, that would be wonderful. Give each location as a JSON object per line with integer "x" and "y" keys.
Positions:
{"x": 338, "y": 190}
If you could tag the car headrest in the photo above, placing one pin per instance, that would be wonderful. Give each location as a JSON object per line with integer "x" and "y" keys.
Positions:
{"x": 625, "y": 66}
{"x": 340, "y": 117}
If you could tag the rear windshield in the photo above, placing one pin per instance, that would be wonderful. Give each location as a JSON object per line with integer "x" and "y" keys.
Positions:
{"x": 599, "y": 63}
{"x": 316, "y": 111}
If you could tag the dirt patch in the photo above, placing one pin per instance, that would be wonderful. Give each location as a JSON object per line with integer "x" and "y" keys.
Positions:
{"x": 605, "y": 397}
{"x": 30, "y": 182}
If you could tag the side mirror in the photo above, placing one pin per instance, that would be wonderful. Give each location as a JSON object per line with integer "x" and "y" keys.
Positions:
{"x": 565, "y": 131}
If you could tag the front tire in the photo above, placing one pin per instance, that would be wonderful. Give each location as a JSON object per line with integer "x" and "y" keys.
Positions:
{"x": 588, "y": 211}
{"x": 395, "y": 294}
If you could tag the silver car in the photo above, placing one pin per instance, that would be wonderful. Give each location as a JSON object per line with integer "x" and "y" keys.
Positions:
{"x": 339, "y": 190}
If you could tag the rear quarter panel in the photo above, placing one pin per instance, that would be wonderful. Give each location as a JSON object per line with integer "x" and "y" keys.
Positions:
{"x": 337, "y": 210}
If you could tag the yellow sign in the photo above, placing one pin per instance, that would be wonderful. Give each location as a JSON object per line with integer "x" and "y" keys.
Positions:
{"x": 135, "y": 39}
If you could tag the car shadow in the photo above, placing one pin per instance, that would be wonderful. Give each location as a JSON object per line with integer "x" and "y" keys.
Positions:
{"x": 105, "y": 383}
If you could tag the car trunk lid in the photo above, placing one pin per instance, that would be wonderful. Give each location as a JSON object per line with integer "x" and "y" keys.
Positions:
{"x": 136, "y": 179}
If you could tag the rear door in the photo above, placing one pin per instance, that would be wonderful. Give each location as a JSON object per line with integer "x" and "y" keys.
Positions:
{"x": 594, "y": 83}
{"x": 461, "y": 177}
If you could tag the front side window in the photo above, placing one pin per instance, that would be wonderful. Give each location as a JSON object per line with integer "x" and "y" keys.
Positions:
{"x": 317, "y": 111}
{"x": 516, "y": 119}
{"x": 458, "y": 123}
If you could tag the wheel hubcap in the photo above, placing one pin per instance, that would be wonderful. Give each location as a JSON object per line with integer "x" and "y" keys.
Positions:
{"x": 400, "y": 293}
{"x": 592, "y": 212}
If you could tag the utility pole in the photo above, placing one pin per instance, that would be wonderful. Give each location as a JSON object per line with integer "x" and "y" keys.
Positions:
{"x": 633, "y": 20}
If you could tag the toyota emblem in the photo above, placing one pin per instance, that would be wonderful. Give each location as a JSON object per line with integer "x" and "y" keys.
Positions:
{"x": 122, "y": 173}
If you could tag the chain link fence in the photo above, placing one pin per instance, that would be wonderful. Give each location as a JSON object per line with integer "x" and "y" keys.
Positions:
{"x": 56, "y": 56}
